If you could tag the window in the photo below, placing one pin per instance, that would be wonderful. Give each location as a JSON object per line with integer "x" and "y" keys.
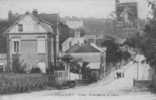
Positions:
{"x": 20, "y": 27}
{"x": 41, "y": 45}
{"x": 70, "y": 44}
{"x": 16, "y": 46}
{"x": 1, "y": 67}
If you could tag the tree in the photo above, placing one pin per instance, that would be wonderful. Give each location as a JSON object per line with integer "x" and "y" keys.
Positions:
{"x": 4, "y": 24}
{"x": 85, "y": 70}
{"x": 149, "y": 40}
{"x": 17, "y": 65}
{"x": 125, "y": 55}
{"x": 67, "y": 60}
{"x": 75, "y": 66}
{"x": 65, "y": 32}
{"x": 72, "y": 63}
{"x": 112, "y": 55}
{"x": 146, "y": 42}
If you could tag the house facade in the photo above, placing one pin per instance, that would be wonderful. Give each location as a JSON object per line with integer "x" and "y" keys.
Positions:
{"x": 31, "y": 40}
{"x": 93, "y": 55}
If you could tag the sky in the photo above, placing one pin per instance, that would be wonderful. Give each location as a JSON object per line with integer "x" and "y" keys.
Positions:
{"x": 78, "y": 8}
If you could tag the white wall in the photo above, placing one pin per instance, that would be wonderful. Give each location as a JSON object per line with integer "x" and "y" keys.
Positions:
{"x": 138, "y": 71}
{"x": 88, "y": 56}
{"x": 94, "y": 59}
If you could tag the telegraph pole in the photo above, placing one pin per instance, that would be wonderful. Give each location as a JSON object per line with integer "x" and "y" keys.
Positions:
{"x": 56, "y": 41}
{"x": 137, "y": 70}
{"x": 55, "y": 51}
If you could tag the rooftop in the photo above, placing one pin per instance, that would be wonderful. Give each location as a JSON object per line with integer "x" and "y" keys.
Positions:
{"x": 87, "y": 47}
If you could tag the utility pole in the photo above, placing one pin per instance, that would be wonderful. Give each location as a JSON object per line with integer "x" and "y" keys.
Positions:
{"x": 57, "y": 35}
{"x": 137, "y": 70}
{"x": 55, "y": 51}
{"x": 56, "y": 41}
{"x": 49, "y": 51}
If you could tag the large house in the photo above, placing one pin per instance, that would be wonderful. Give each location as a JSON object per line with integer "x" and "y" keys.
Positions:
{"x": 33, "y": 39}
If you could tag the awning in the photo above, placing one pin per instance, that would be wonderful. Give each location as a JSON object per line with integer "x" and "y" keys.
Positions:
{"x": 94, "y": 65}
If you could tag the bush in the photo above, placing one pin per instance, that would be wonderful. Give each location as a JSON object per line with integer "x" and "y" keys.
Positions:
{"x": 35, "y": 70}
{"x": 94, "y": 76}
{"x": 15, "y": 83}
{"x": 17, "y": 65}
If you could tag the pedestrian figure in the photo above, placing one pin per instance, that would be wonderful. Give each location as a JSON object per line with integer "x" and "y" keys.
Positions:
{"x": 118, "y": 74}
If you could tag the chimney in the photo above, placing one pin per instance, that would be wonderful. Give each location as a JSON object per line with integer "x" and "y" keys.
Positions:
{"x": 77, "y": 33}
{"x": 117, "y": 1}
{"x": 10, "y": 15}
{"x": 35, "y": 12}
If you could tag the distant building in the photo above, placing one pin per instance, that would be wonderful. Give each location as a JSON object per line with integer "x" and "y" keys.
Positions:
{"x": 90, "y": 38}
{"x": 71, "y": 41}
{"x": 127, "y": 19}
{"x": 75, "y": 25}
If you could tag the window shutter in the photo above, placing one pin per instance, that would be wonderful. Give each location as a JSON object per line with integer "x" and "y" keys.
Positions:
{"x": 41, "y": 45}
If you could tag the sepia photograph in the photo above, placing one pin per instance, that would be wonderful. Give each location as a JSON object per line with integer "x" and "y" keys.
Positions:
{"x": 77, "y": 49}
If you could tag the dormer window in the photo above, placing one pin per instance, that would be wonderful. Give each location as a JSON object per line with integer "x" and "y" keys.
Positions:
{"x": 20, "y": 27}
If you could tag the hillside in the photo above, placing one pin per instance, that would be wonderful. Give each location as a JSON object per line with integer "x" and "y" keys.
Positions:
{"x": 98, "y": 26}
{"x": 94, "y": 26}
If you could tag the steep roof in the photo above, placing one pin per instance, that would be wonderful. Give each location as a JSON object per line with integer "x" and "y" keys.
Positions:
{"x": 45, "y": 25}
{"x": 3, "y": 25}
{"x": 52, "y": 19}
{"x": 84, "y": 48}
{"x": 6, "y": 24}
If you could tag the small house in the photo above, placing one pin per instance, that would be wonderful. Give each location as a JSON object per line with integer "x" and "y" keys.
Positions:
{"x": 95, "y": 56}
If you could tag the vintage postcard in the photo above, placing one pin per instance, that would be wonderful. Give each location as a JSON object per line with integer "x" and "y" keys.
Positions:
{"x": 77, "y": 49}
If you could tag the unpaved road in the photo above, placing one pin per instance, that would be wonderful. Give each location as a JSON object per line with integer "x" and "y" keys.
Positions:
{"x": 107, "y": 89}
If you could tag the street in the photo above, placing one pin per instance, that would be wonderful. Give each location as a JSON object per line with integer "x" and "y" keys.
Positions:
{"x": 108, "y": 88}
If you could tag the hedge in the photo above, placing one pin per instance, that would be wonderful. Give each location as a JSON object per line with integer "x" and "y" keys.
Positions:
{"x": 14, "y": 83}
